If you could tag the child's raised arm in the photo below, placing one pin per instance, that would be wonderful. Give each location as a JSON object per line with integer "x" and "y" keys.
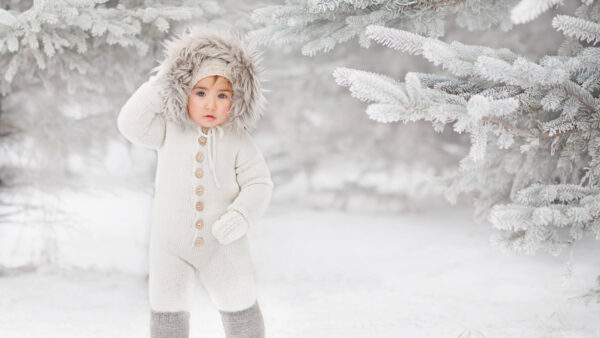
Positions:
{"x": 140, "y": 120}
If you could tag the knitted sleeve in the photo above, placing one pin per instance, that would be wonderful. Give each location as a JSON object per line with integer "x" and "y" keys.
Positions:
{"x": 254, "y": 179}
{"x": 140, "y": 120}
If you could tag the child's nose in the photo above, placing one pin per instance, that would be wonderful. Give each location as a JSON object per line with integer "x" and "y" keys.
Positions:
{"x": 210, "y": 103}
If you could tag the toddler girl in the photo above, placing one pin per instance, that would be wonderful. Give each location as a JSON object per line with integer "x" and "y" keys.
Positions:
{"x": 212, "y": 182}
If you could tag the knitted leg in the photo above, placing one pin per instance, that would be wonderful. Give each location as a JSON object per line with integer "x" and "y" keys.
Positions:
{"x": 247, "y": 323}
{"x": 229, "y": 277}
{"x": 169, "y": 324}
{"x": 170, "y": 288}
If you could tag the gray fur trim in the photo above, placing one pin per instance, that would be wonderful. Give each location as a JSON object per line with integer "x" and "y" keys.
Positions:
{"x": 184, "y": 52}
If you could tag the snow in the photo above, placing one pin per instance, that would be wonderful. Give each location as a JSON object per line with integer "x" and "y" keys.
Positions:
{"x": 320, "y": 274}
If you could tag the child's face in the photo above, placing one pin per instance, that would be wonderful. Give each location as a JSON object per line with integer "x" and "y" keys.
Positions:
{"x": 210, "y": 100}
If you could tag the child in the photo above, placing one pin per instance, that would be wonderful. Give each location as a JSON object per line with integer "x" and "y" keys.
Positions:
{"x": 212, "y": 182}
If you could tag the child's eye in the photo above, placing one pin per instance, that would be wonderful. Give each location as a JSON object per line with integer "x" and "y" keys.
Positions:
{"x": 200, "y": 93}
{"x": 223, "y": 96}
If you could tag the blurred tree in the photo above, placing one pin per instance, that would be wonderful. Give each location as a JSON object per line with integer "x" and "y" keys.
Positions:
{"x": 66, "y": 67}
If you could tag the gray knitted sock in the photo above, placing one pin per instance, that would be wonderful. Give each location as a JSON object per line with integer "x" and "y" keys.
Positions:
{"x": 170, "y": 324}
{"x": 246, "y": 323}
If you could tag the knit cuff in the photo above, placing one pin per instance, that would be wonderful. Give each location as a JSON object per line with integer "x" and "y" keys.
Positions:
{"x": 170, "y": 319}
{"x": 242, "y": 212}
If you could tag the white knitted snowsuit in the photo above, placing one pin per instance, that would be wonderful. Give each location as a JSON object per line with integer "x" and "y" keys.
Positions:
{"x": 201, "y": 174}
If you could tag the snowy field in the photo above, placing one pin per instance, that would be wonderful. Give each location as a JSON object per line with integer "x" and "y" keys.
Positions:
{"x": 326, "y": 274}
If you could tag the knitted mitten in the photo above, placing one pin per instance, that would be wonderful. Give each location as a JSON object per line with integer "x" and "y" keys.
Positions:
{"x": 229, "y": 227}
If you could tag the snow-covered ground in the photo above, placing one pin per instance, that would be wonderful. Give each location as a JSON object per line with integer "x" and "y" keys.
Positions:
{"x": 330, "y": 274}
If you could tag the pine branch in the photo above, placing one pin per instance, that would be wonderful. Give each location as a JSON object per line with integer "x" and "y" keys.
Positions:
{"x": 577, "y": 28}
{"x": 440, "y": 4}
{"x": 510, "y": 128}
{"x": 528, "y": 10}
{"x": 352, "y": 18}
{"x": 70, "y": 29}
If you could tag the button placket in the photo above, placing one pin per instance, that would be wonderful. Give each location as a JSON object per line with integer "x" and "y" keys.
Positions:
{"x": 198, "y": 173}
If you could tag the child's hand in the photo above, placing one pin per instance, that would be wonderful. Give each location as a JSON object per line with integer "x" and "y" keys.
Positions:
{"x": 229, "y": 227}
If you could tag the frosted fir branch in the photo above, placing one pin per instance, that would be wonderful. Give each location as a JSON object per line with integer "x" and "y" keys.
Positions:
{"x": 501, "y": 92}
{"x": 391, "y": 95}
{"x": 583, "y": 96}
{"x": 472, "y": 52}
{"x": 396, "y": 39}
{"x": 322, "y": 6}
{"x": 557, "y": 127}
{"x": 441, "y": 3}
{"x": 6, "y": 18}
{"x": 494, "y": 69}
{"x": 521, "y": 73}
{"x": 453, "y": 87}
{"x": 577, "y": 28}
{"x": 559, "y": 205}
{"x": 479, "y": 137}
{"x": 387, "y": 113}
{"x": 457, "y": 58}
{"x": 281, "y": 14}
{"x": 355, "y": 16}
{"x": 434, "y": 80}
{"x": 512, "y": 217}
{"x": 479, "y": 106}
{"x": 553, "y": 99}
{"x": 530, "y": 241}
{"x": 545, "y": 194}
{"x": 333, "y": 32}
{"x": 440, "y": 53}
{"x": 509, "y": 128}
{"x": 527, "y": 10}
{"x": 368, "y": 86}
{"x": 58, "y": 27}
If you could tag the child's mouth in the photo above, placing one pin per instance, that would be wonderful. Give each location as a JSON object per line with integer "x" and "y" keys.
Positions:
{"x": 210, "y": 117}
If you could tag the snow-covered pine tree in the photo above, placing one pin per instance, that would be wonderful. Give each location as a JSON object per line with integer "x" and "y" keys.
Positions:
{"x": 321, "y": 123}
{"x": 534, "y": 159}
{"x": 66, "y": 68}
{"x": 319, "y": 25}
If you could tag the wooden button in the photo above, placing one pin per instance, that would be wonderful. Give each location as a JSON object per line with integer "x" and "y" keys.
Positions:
{"x": 199, "y": 206}
{"x": 199, "y": 241}
{"x": 199, "y": 172}
{"x": 202, "y": 140}
{"x": 204, "y": 130}
{"x": 199, "y": 224}
{"x": 199, "y": 157}
{"x": 199, "y": 190}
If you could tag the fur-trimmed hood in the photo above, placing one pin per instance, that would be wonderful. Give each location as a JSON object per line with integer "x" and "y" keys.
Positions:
{"x": 186, "y": 51}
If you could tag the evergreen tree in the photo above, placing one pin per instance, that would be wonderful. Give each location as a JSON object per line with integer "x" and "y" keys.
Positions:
{"x": 395, "y": 168}
{"x": 67, "y": 67}
{"x": 533, "y": 160}
{"x": 319, "y": 25}
{"x": 533, "y": 148}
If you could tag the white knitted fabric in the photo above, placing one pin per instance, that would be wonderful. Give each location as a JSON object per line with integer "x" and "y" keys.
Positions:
{"x": 231, "y": 226}
{"x": 210, "y": 67}
{"x": 179, "y": 205}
